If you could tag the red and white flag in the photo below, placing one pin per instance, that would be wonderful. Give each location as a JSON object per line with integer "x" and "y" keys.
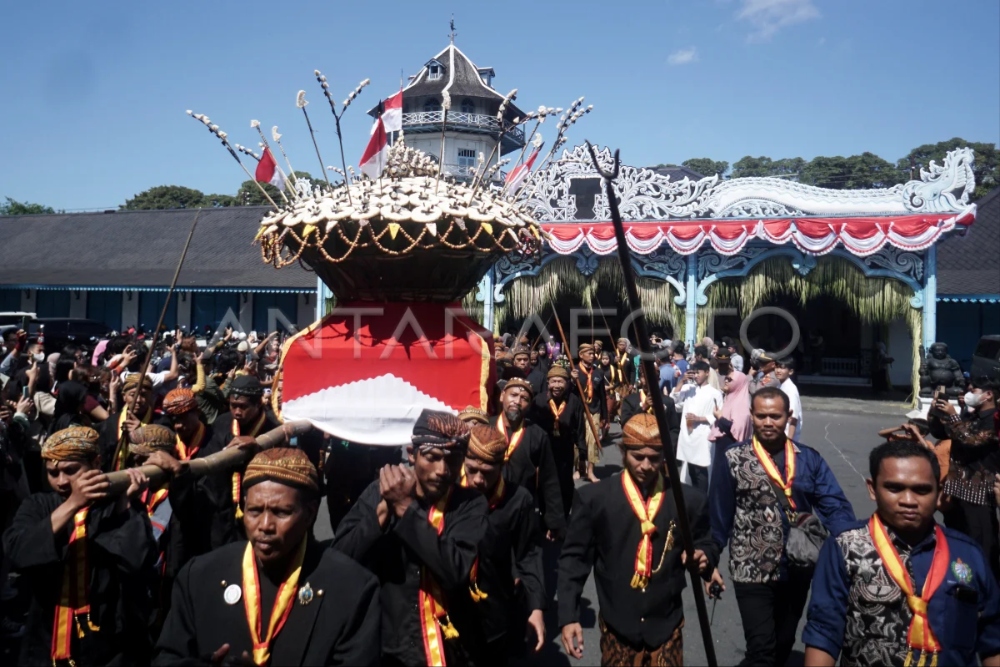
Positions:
{"x": 392, "y": 114}
{"x": 374, "y": 158}
{"x": 268, "y": 171}
{"x": 517, "y": 175}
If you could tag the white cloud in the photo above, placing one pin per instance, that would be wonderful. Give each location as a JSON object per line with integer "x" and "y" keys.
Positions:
{"x": 769, "y": 16}
{"x": 683, "y": 57}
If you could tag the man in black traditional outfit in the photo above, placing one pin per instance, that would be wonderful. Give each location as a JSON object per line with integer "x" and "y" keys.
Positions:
{"x": 279, "y": 598}
{"x": 247, "y": 418}
{"x": 136, "y": 387}
{"x": 85, "y": 557}
{"x": 560, "y": 415}
{"x": 624, "y": 529}
{"x": 592, "y": 380}
{"x": 511, "y": 541}
{"x": 529, "y": 455}
{"x": 419, "y": 533}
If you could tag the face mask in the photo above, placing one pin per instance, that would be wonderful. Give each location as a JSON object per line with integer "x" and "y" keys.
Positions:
{"x": 38, "y": 356}
{"x": 974, "y": 400}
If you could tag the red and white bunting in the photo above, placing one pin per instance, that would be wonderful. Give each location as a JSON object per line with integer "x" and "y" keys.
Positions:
{"x": 374, "y": 158}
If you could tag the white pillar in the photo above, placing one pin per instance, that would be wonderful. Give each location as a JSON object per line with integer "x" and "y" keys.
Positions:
{"x": 77, "y": 303}
{"x": 246, "y": 311}
{"x": 130, "y": 309}
{"x": 930, "y": 298}
{"x": 183, "y": 301}
{"x": 28, "y": 300}
{"x": 691, "y": 308}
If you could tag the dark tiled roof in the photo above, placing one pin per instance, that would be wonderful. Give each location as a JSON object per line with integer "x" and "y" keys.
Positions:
{"x": 141, "y": 249}
{"x": 970, "y": 264}
{"x": 465, "y": 82}
{"x": 677, "y": 173}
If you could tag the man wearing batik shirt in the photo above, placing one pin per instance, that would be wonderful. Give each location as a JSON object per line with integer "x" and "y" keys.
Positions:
{"x": 85, "y": 557}
{"x": 559, "y": 413}
{"x": 419, "y": 533}
{"x": 529, "y": 460}
{"x": 279, "y": 597}
{"x": 624, "y": 529}
{"x": 898, "y": 589}
{"x": 747, "y": 514}
{"x": 510, "y": 545}
{"x": 595, "y": 400}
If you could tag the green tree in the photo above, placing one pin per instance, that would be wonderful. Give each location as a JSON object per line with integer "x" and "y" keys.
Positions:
{"x": 220, "y": 201}
{"x": 14, "y": 207}
{"x": 788, "y": 167}
{"x": 986, "y": 166}
{"x": 850, "y": 173}
{"x": 250, "y": 195}
{"x": 707, "y": 166}
{"x": 166, "y": 196}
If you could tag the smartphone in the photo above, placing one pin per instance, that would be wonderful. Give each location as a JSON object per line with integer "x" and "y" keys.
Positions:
{"x": 24, "y": 392}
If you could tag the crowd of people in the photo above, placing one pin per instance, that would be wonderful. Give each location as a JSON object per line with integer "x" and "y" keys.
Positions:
{"x": 451, "y": 549}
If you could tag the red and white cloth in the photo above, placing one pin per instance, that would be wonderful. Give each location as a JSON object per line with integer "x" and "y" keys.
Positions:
{"x": 269, "y": 172}
{"x": 517, "y": 175}
{"x": 392, "y": 113}
{"x": 817, "y": 236}
{"x": 373, "y": 160}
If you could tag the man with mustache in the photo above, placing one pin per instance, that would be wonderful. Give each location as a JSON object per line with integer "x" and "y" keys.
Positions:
{"x": 419, "y": 533}
{"x": 898, "y": 588}
{"x": 747, "y": 515}
{"x": 279, "y": 597}
{"x": 560, "y": 414}
{"x": 624, "y": 529}
{"x": 529, "y": 455}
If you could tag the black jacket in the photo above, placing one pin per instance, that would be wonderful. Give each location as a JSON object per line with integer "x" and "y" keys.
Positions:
{"x": 603, "y": 536}
{"x": 397, "y": 555}
{"x": 120, "y": 556}
{"x": 339, "y": 626}
{"x": 534, "y": 456}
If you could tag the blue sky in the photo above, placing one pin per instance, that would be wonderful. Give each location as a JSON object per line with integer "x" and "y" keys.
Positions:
{"x": 94, "y": 94}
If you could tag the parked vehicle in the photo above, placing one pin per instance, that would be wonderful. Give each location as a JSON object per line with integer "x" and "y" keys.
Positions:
{"x": 61, "y": 331}
{"x": 986, "y": 358}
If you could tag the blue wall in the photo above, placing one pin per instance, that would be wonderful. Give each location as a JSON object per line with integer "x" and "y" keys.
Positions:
{"x": 960, "y": 325}
{"x": 105, "y": 307}
{"x": 288, "y": 304}
{"x": 150, "y": 307}
{"x": 52, "y": 303}
{"x": 10, "y": 300}
{"x": 209, "y": 308}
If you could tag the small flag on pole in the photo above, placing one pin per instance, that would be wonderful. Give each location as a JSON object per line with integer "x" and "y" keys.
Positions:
{"x": 374, "y": 158}
{"x": 517, "y": 175}
{"x": 392, "y": 114}
{"x": 268, "y": 171}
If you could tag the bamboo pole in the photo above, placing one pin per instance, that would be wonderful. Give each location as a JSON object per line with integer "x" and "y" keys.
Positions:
{"x": 213, "y": 463}
{"x": 122, "y": 449}
{"x": 579, "y": 387}
{"x": 641, "y": 333}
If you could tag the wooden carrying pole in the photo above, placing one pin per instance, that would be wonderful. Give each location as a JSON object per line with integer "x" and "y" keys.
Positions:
{"x": 639, "y": 327}
{"x": 222, "y": 461}
{"x": 579, "y": 387}
{"x": 122, "y": 448}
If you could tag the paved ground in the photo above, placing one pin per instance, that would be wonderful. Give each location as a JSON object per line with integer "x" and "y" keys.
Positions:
{"x": 843, "y": 430}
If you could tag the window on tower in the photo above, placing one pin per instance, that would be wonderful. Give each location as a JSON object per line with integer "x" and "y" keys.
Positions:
{"x": 468, "y": 106}
{"x": 432, "y": 104}
{"x": 434, "y": 72}
{"x": 466, "y": 157}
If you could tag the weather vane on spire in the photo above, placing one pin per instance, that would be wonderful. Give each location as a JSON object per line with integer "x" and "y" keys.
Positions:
{"x": 452, "y": 34}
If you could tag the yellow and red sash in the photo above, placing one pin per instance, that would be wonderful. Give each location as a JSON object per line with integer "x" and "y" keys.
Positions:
{"x": 237, "y": 476}
{"x": 73, "y": 600}
{"x": 556, "y": 414}
{"x": 185, "y": 453}
{"x": 642, "y": 399}
{"x": 154, "y": 500}
{"x": 772, "y": 470}
{"x": 121, "y": 455}
{"x": 512, "y": 440}
{"x": 494, "y": 500}
{"x": 920, "y": 637}
{"x": 589, "y": 390}
{"x": 645, "y": 511}
{"x": 434, "y": 621}
{"x": 282, "y": 603}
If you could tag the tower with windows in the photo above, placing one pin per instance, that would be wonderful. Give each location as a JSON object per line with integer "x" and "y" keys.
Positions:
{"x": 472, "y": 128}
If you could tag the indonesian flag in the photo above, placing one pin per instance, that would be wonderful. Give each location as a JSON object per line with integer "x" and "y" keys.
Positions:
{"x": 517, "y": 175}
{"x": 392, "y": 115}
{"x": 268, "y": 171}
{"x": 374, "y": 158}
